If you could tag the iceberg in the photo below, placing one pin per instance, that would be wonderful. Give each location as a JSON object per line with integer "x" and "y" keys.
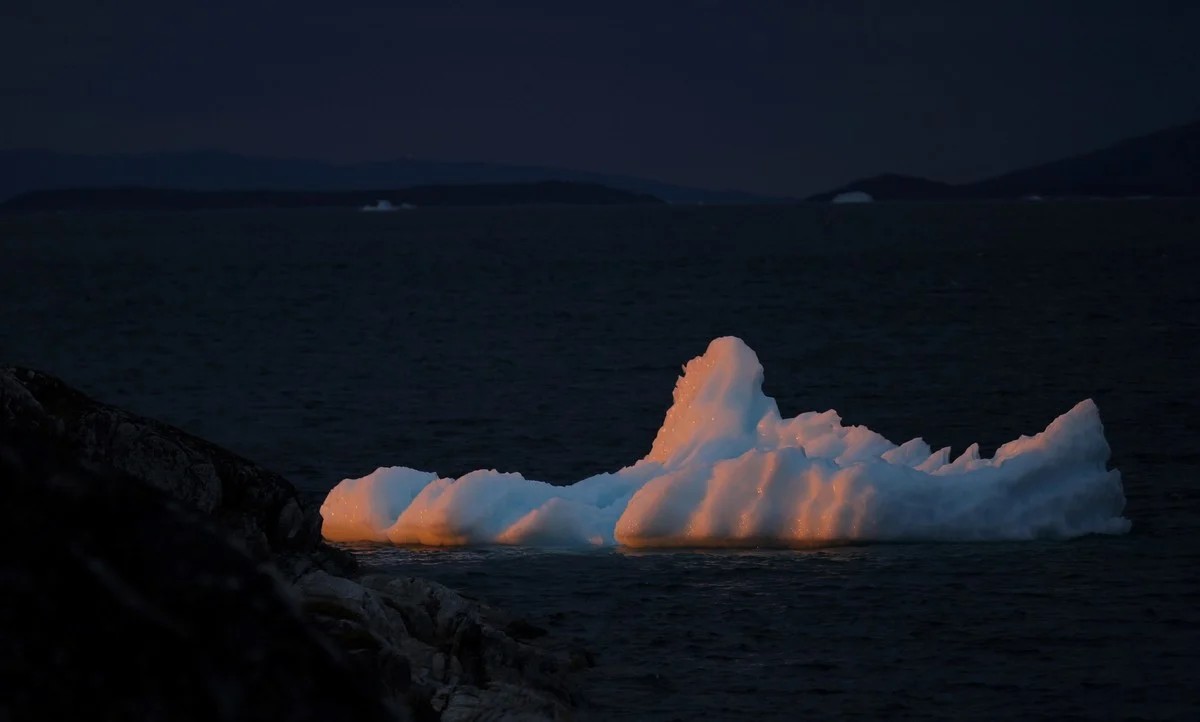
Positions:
{"x": 725, "y": 469}
{"x": 385, "y": 206}
{"x": 380, "y": 206}
{"x": 853, "y": 197}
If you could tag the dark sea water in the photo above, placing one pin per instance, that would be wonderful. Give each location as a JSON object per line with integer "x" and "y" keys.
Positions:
{"x": 547, "y": 341}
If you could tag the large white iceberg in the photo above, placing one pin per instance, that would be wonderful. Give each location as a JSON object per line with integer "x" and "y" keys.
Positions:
{"x": 727, "y": 470}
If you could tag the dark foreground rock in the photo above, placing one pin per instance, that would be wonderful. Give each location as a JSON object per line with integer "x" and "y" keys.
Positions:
{"x": 150, "y": 574}
{"x": 120, "y": 603}
{"x": 466, "y": 660}
{"x": 261, "y": 508}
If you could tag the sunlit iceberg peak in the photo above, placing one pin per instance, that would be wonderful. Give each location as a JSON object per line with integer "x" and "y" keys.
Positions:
{"x": 725, "y": 469}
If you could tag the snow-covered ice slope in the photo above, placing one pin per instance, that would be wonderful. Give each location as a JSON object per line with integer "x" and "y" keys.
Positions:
{"x": 727, "y": 470}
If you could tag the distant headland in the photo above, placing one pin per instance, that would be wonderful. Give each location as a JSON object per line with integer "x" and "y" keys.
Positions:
{"x": 23, "y": 171}
{"x": 166, "y": 199}
{"x": 1165, "y": 164}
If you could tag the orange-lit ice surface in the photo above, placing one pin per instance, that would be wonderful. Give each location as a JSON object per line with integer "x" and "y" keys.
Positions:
{"x": 727, "y": 470}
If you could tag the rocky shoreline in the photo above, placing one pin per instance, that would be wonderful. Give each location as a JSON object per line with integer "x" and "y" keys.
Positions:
{"x": 151, "y": 574}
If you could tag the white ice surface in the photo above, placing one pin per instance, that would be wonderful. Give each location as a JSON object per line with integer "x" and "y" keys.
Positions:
{"x": 380, "y": 206}
{"x": 726, "y": 470}
{"x": 853, "y": 197}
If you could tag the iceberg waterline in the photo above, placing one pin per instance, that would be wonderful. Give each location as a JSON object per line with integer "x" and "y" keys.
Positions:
{"x": 727, "y": 470}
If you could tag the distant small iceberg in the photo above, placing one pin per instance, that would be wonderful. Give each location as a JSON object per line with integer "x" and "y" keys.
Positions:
{"x": 853, "y": 197}
{"x": 382, "y": 206}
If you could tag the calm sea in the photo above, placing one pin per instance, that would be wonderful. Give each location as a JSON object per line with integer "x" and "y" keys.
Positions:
{"x": 547, "y": 341}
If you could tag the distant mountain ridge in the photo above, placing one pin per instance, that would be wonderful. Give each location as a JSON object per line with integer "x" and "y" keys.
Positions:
{"x": 168, "y": 199}
{"x": 22, "y": 171}
{"x": 1165, "y": 163}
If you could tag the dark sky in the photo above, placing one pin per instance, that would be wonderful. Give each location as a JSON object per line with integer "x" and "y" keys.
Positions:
{"x": 783, "y": 96}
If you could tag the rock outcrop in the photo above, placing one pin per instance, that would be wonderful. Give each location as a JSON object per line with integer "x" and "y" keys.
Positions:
{"x": 467, "y": 661}
{"x": 121, "y": 603}
{"x": 206, "y": 576}
{"x": 261, "y": 508}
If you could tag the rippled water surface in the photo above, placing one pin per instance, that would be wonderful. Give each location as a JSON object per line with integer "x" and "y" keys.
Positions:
{"x": 1049, "y": 631}
{"x": 547, "y": 341}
